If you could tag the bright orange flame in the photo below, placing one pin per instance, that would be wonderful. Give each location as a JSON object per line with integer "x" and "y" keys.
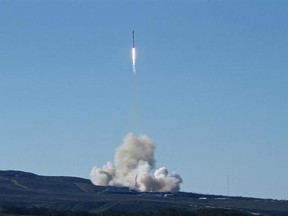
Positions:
{"x": 134, "y": 59}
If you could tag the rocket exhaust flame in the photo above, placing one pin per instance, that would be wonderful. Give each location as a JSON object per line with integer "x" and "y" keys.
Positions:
{"x": 133, "y": 54}
{"x": 134, "y": 161}
{"x": 134, "y": 60}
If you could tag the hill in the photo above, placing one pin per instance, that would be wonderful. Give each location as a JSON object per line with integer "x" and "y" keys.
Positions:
{"x": 23, "y": 193}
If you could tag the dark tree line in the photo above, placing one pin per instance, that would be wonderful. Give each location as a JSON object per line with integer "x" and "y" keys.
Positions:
{"x": 40, "y": 211}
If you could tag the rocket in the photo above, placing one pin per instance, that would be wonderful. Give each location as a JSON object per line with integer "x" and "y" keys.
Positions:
{"x": 133, "y": 54}
{"x": 133, "y": 38}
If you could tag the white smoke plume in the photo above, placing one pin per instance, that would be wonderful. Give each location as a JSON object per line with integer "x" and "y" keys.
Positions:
{"x": 134, "y": 162}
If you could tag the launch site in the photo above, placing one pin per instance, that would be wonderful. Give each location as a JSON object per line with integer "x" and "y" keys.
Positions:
{"x": 143, "y": 108}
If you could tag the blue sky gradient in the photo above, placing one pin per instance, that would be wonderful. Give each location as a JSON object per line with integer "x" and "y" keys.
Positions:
{"x": 210, "y": 90}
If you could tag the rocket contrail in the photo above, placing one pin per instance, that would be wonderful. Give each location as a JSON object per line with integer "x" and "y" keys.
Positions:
{"x": 133, "y": 54}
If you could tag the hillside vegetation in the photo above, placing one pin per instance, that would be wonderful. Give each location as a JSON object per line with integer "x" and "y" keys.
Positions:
{"x": 23, "y": 193}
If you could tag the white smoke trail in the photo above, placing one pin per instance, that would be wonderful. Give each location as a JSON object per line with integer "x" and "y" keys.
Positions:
{"x": 134, "y": 161}
{"x": 134, "y": 60}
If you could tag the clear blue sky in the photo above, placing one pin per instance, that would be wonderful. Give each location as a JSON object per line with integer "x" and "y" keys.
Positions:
{"x": 211, "y": 88}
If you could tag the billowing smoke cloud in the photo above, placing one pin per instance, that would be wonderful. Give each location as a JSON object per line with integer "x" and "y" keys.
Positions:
{"x": 134, "y": 162}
